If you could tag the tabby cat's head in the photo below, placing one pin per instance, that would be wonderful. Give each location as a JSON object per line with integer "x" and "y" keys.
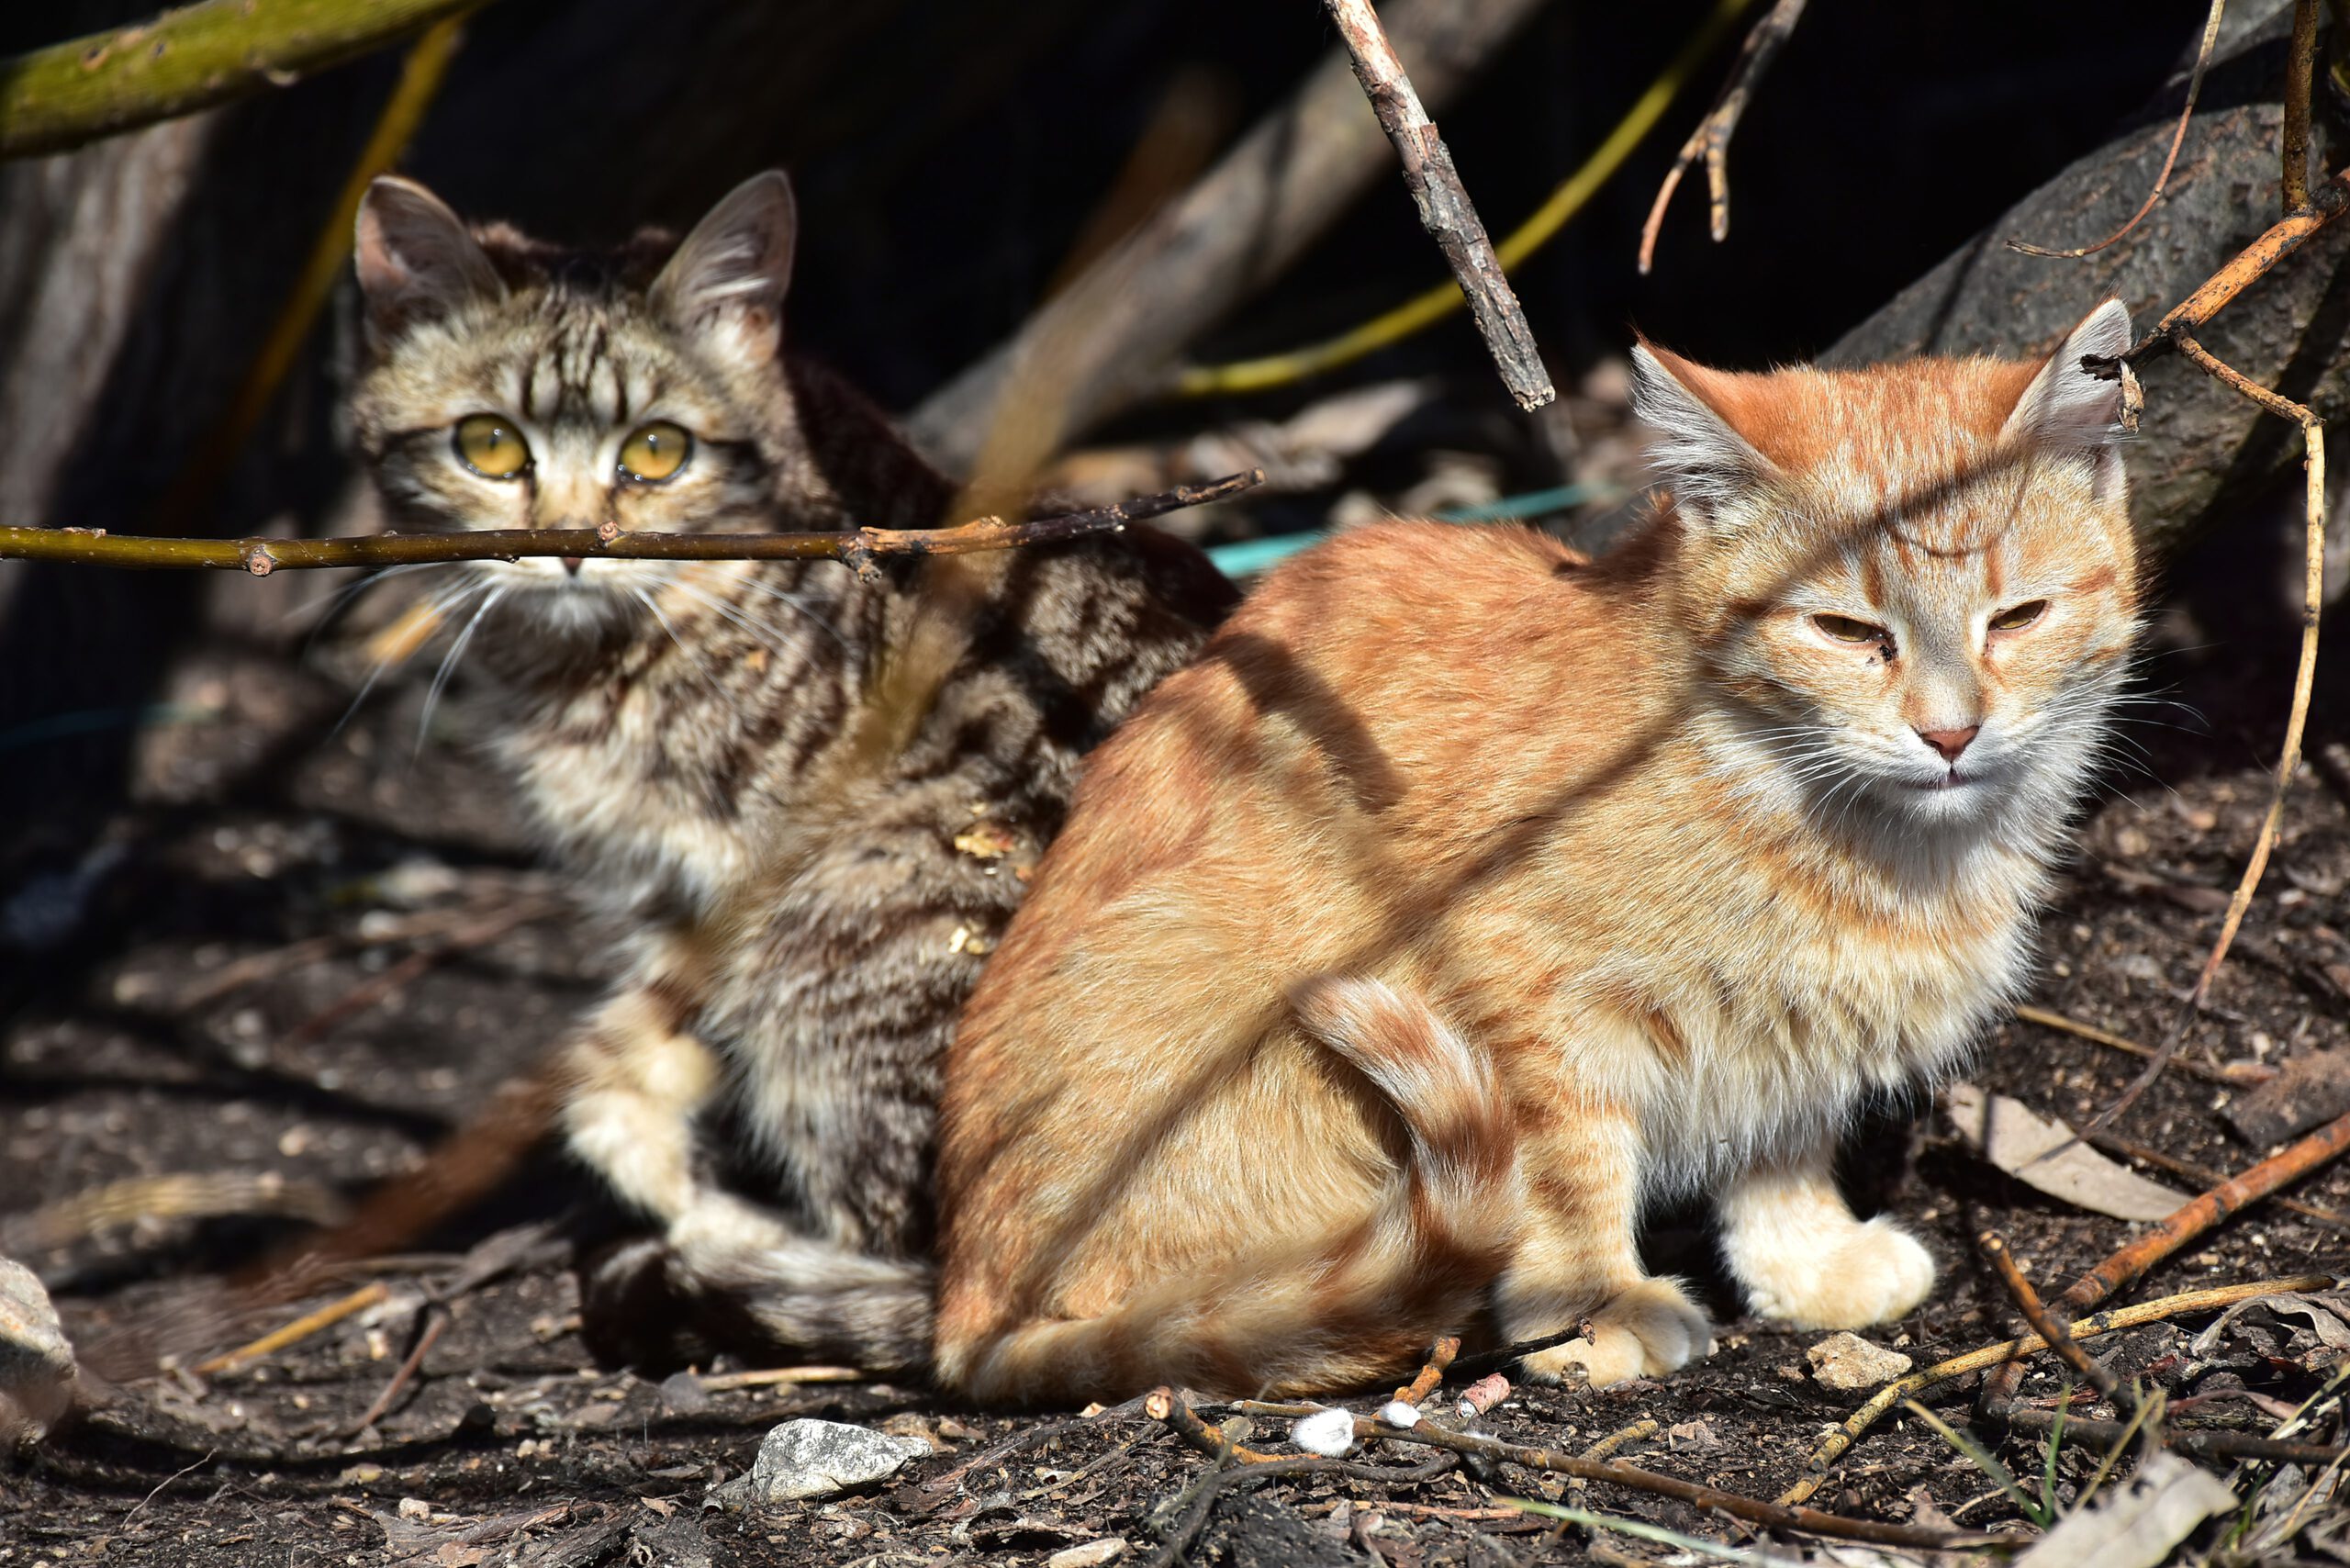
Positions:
{"x": 512, "y": 385}
{"x": 1914, "y": 587}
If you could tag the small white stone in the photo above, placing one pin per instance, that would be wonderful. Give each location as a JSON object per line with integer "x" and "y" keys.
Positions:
{"x": 1396, "y": 1413}
{"x": 808, "y": 1459}
{"x": 1331, "y": 1433}
{"x": 1093, "y": 1554}
{"x": 415, "y": 1508}
{"x": 1847, "y": 1361}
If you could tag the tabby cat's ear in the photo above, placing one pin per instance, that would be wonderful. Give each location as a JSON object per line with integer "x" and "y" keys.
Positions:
{"x": 729, "y": 278}
{"x": 2065, "y": 407}
{"x": 1697, "y": 451}
{"x": 416, "y": 260}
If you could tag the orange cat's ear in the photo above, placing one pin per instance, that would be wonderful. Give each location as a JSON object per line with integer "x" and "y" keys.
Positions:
{"x": 2066, "y": 408}
{"x": 1695, "y": 413}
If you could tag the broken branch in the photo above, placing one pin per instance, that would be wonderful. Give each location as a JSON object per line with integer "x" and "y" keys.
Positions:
{"x": 2191, "y": 1221}
{"x": 856, "y": 547}
{"x": 1711, "y": 138}
{"x": 1446, "y": 211}
{"x": 2179, "y": 136}
{"x": 1857, "y": 1425}
{"x": 187, "y": 60}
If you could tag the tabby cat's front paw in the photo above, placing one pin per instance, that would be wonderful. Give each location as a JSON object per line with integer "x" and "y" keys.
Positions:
{"x": 1646, "y": 1330}
{"x": 1876, "y": 1272}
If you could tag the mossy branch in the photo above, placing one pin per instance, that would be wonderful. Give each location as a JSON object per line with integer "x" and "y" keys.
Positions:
{"x": 187, "y": 60}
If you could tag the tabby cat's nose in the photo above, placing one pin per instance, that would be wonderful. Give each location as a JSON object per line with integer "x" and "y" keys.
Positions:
{"x": 1949, "y": 743}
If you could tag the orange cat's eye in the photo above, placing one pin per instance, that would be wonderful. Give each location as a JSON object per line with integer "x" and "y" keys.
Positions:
{"x": 491, "y": 446}
{"x": 2021, "y": 616}
{"x": 655, "y": 451}
{"x": 1844, "y": 629}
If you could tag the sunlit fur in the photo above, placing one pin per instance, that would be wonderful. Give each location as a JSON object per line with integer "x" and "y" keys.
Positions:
{"x": 1633, "y": 838}
{"x": 767, "y": 776}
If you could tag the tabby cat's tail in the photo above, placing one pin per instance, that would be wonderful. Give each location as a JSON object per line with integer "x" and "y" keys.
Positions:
{"x": 1337, "y": 1313}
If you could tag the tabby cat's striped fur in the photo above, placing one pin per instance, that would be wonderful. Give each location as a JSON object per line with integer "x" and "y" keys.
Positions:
{"x": 808, "y": 800}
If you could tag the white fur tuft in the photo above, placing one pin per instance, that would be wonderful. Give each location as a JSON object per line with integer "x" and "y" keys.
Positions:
{"x": 2065, "y": 408}
{"x": 1331, "y": 1433}
{"x": 1696, "y": 453}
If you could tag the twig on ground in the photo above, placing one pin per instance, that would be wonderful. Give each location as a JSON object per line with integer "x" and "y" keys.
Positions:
{"x": 1431, "y": 1375}
{"x": 1711, "y": 138}
{"x": 2044, "y": 1324}
{"x": 2210, "y": 1177}
{"x": 936, "y": 1488}
{"x": 771, "y": 1377}
{"x": 189, "y": 59}
{"x": 1833, "y": 1447}
{"x": 2191, "y": 1221}
{"x": 380, "y": 988}
{"x": 2218, "y": 1073}
{"x": 1166, "y": 1405}
{"x": 1639, "y": 1432}
{"x": 435, "y": 1324}
{"x": 1754, "y": 1510}
{"x": 207, "y": 1194}
{"x": 2185, "y": 114}
{"x": 858, "y": 547}
{"x": 1446, "y": 211}
{"x": 294, "y": 1333}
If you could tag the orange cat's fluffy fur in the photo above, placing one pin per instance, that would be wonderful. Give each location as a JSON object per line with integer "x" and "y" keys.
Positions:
{"x": 1467, "y": 893}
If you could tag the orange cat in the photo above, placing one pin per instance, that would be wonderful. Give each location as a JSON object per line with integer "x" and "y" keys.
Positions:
{"x": 1467, "y": 894}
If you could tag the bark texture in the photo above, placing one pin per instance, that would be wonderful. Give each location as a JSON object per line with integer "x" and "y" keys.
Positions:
{"x": 2204, "y": 449}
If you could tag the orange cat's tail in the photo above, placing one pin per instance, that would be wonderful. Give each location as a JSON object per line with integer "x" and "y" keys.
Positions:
{"x": 1350, "y": 1309}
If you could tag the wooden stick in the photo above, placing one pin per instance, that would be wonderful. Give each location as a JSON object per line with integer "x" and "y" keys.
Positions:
{"x": 858, "y": 547}
{"x": 1857, "y": 1425}
{"x": 772, "y": 1377}
{"x": 2210, "y": 1177}
{"x": 1711, "y": 138}
{"x": 1165, "y": 1404}
{"x": 2036, "y": 1313}
{"x": 436, "y": 1323}
{"x": 186, "y": 60}
{"x": 2301, "y": 67}
{"x": 1431, "y": 1375}
{"x": 2178, "y": 137}
{"x": 2183, "y": 1226}
{"x": 1777, "y": 1515}
{"x": 2281, "y": 240}
{"x": 2218, "y": 1073}
{"x": 297, "y": 1331}
{"x": 1446, "y": 211}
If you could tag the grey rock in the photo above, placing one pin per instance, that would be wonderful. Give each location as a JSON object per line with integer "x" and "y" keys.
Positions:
{"x": 37, "y": 1368}
{"x": 807, "y": 1459}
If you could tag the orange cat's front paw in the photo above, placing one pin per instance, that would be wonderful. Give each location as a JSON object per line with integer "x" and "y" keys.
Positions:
{"x": 1646, "y": 1330}
{"x": 1877, "y": 1271}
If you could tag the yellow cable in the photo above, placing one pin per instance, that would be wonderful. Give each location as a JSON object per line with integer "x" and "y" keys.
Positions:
{"x": 1276, "y": 370}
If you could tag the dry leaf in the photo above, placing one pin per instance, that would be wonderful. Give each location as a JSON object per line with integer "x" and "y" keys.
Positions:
{"x": 2013, "y": 1137}
{"x": 2136, "y": 1525}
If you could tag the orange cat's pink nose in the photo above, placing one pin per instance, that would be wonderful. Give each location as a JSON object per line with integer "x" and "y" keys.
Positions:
{"x": 1949, "y": 743}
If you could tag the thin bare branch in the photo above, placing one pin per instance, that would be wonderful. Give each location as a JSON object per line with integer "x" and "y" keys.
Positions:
{"x": 2301, "y": 67}
{"x": 2185, "y": 114}
{"x": 1446, "y": 211}
{"x": 858, "y": 547}
{"x": 1711, "y": 138}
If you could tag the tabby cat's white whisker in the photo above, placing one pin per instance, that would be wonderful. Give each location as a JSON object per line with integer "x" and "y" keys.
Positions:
{"x": 449, "y": 665}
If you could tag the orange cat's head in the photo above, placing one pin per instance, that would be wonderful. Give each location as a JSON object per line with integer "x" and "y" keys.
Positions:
{"x": 1911, "y": 588}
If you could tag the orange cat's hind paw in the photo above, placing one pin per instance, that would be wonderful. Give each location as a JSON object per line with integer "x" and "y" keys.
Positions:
{"x": 1647, "y": 1330}
{"x": 1875, "y": 1272}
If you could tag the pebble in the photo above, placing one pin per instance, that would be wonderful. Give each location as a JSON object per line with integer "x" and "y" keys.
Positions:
{"x": 1091, "y": 1554}
{"x": 1849, "y": 1361}
{"x": 807, "y": 1459}
{"x": 36, "y": 1370}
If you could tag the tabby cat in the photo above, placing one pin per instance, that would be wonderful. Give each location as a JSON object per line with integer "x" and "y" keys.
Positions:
{"x": 1467, "y": 894}
{"x": 809, "y": 800}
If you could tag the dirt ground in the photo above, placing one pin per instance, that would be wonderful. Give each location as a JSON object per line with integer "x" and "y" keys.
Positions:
{"x": 401, "y": 955}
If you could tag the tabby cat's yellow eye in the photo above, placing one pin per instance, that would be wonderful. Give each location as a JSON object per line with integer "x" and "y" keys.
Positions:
{"x": 491, "y": 446}
{"x": 2021, "y": 616}
{"x": 1844, "y": 629}
{"x": 653, "y": 453}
